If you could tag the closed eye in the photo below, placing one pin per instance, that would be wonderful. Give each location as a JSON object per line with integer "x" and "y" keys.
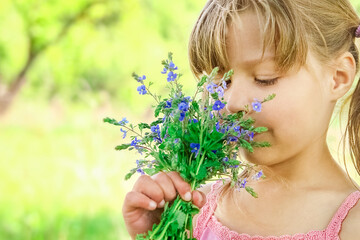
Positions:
{"x": 266, "y": 82}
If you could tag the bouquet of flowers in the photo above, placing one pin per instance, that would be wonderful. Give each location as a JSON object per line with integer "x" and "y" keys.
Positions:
{"x": 194, "y": 137}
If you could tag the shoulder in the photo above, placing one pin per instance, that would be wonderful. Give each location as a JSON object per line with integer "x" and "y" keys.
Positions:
{"x": 350, "y": 226}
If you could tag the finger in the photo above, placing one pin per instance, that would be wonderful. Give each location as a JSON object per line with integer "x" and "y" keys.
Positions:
{"x": 167, "y": 186}
{"x": 182, "y": 187}
{"x": 147, "y": 186}
{"x": 135, "y": 200}
{"x": 198, "y": 198}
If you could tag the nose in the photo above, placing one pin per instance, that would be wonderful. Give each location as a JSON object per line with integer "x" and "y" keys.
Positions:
{"x": 237, "y": 100}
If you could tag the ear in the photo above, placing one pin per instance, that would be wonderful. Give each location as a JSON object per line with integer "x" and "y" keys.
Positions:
{"x": 343, "y": 75}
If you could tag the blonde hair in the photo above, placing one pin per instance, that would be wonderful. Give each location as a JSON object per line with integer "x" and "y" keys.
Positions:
{"x": 292, "y": 28}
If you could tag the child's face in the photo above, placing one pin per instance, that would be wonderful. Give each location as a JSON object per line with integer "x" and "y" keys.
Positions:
{"x": 298, "y": 117}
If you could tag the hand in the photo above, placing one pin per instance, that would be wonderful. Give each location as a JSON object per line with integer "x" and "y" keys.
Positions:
{"x": 144, "y": 204}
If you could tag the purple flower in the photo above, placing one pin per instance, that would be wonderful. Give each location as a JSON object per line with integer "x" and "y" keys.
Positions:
{"x": 256, "y": 106}
{"x": 124, "y": 132}
{"x": 220, "y": 91}
{"x": 258, "y": 175}
{"x": 123, "y": 122}
{"x": 237, "y": 129}
{"x": 225, "y": 159}
{"x": 224, "y": 84}
{"x": 218, "y": 105}
{"x": 182, "y": 116}
{"x": 139, "y": 170}
{"x": 195, "y": 147}
{"x": 176, "y": 140}
{"x": 142, "y": 90}
{"x": 171, "y": 76}
{"x": 243, "y": 183}
{"x": 210, "y": 87}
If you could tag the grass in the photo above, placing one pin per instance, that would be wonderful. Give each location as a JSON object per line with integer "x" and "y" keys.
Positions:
{"x": 60, "y": 175}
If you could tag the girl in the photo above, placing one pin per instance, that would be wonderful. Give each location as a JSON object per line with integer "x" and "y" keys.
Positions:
{"x": 304, "y": 51}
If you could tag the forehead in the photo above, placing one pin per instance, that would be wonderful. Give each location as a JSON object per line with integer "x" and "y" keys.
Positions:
{"x": 245, "y": 40}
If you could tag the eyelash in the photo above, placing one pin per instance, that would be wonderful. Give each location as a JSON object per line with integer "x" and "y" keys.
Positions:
{"x": 268, "y": 82}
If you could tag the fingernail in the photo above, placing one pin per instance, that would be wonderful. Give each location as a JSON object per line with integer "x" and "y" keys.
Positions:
{"x": 187, "y": 196}
{"x": 152, "y": 205}
{"x": 161, "y": 204}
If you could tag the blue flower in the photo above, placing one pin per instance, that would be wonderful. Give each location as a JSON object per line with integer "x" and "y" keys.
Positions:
{"x": 134, "y": 142}
{"x": 155, "y": 129}
{"x": 183, "y": 106}
{"x": 237, "y": 129}
{"x": 188, "y": 99}
{"x": 256, "y": 106}
{"x": 193, "y": 120}
{"x": 124, "y": 132}
{"x": 176, "y": 140}
{"x": 141, "y": 79}
{"x": 220, "y": 91}
{"x": 164, "y": 70}
{"x": 142, "y": 89}
{"x": 168, "y": 104}
{"x": 182, "y": 116}
{"x": 123, "y": 122}
{"x": 232, "y": 139}
{"x": 218, "y": 105}
{"x": 171, "y": 76}
{"x": 225, "y": 159}
{"x": 195, "y": 147}
{"x": 210, "y": 87}
{"x": 172, "y": 66}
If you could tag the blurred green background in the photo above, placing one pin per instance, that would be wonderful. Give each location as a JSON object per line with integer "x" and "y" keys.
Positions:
{"x": 64, "y": 66}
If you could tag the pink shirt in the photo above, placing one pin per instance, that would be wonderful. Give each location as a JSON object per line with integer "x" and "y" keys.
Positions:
{"x": 209, "y": 228}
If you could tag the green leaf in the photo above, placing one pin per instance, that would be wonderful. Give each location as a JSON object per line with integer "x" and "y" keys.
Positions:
{"x": 143, "y": 125}
{"x": 260, "y": 129}
{"x": 111, "y": 121}
{"x": 251, "y": 191}
{"x": 195, "y": 106}
{"x": 122, "y": 147}
{"x": 202, "y": 81}
{"x": 150, "y": 171}
{"x": 202, "y": 173}
{"x": 180, "y": 218}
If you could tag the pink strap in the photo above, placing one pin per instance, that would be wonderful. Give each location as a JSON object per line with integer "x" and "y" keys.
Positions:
{"x": 331, "y": 232}
{"x": 335, "y": 224}
{"x": 207, "y": 210}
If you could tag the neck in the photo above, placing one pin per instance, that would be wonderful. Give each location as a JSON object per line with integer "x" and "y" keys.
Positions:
{"x": 312, "y": 167}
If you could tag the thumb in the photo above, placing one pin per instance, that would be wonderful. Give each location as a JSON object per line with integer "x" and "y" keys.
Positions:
{"x": 199, "y": 198}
